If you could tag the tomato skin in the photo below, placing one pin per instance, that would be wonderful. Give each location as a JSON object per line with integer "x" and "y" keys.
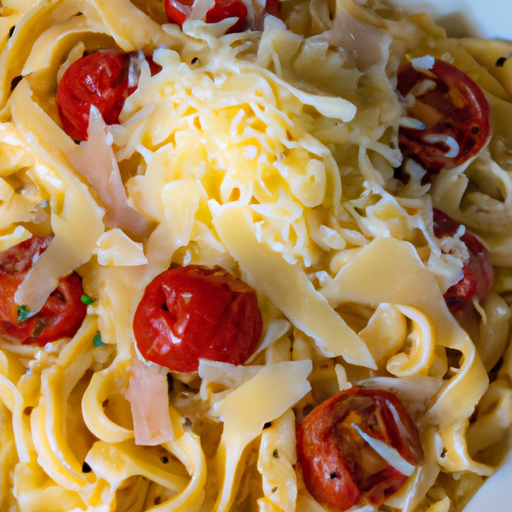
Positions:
{"x": 61, "y": 315}
{"x": 179, "y": 10}
{"x": 456, "y": 107}
{"x": 229, "y": 9}
{"x": 478, "y": 272}
{"x": 339, "y": 468}
{"x": 193, "y": 312}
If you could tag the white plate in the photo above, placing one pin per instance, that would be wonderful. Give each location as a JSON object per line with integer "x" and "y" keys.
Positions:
{"x": 484, "y": 18}
{"x": 491, "y": 19}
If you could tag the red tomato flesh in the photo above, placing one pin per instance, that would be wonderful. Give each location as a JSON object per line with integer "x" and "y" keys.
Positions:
{"x": 99, "y": 79}
{"x": 478, "y": 272}
{"x": 61, "y": 315}
{"x": 178, "y": 11}
{"x": 193, "y": 312}
{"x": 456, "y": 107}
{"x": 339, "y": 468}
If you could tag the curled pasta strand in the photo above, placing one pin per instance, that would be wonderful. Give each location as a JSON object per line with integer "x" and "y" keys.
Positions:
{"x": 421, "y": 352}
{"x": 385, "y": 333}
{"x": 48, "y": 419}
{"x": 456, "y": 456}
{"x": 98, "y": 391}
{"x": 276, "y": 461}
{"x": 494, "y": 417}
{"x": 494, "y": 333}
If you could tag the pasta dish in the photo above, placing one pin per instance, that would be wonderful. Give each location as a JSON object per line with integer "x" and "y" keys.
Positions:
{"x": 254, "y": 256}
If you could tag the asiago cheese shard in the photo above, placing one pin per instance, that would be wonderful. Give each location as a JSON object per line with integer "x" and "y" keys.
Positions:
{"x": 289, "y": 288}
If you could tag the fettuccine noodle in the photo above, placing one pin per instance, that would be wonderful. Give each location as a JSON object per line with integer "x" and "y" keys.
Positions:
{"x": 272, "y": 153}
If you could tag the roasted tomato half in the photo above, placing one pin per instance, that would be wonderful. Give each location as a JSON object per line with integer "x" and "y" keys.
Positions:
{"x": 454, "y": 111}
{"x": 478, "y": 272}
{"x": 100, "y": 79}
{"x": 179, "y": 11}
{"x": 62, "y": 314}
{"x": 193, "y": 312}
{"x": 339, "y": 467}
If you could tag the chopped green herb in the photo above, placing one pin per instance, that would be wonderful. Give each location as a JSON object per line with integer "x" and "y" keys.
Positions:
{"x": 86, "y": 300}
{"x": 23, "y": 313}
{"x": 38, "y": 329}
{"x": 97, "y": 341}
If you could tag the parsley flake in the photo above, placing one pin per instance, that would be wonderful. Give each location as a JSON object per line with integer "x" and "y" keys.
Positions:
{"x": 86, "y": 300}
{"x": 23, "y": 313}
{"x": 97, "y": 341}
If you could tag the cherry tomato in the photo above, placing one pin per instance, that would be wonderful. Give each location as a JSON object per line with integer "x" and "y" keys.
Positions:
{"x": 61, "y": 315}
{"x": 178, "y": 11}
{"x": 338, "y": 466}
{"x": 478, "y": 272}
{"x": 99, "y": 79}
{"x": 455, "y": 107}
{"x": 193, "y": 312}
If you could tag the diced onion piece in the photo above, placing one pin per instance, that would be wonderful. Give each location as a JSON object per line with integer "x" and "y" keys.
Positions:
{"x": 200, "y": 8}
{"x": 445, "y": 139}
{"x": 149, "y": 401}
{"x": 423, "y": 64}
{"x": 96, "y": 161}
{"x": 388, "y": 453}
{"x": 410, "y": 122}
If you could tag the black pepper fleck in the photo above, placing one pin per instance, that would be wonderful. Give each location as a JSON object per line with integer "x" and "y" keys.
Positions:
{"x": 195, "y": 60}
{"x": 86, "y": 468}
{"x": 15, "y": 81}
{"x": 307, "y": 409}
{"x": 164, "y": 459}
{"x": 274, "y": 489}
{"x": 275, "y": 454}
{"x": 11, "y": 30}
{"x": 333, "y": 476}
{"x": 501, "y": 62}
{"x": 475, "y": 130}
{"x": 267, "y": 425}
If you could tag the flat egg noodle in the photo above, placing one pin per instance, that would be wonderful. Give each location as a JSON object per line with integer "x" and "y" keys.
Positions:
{"x": 301, "y": 138}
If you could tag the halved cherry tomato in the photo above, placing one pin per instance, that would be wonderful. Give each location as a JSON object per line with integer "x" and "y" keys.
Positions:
{"x": 338, "y": 466}
{"x": 478, "y": 272}
{"x": 99, "y": 79}
{"x": 455, "y": 107}
{"x": 193, "y": 312}
{"x": 61, "y": 315}
{"x": 178, "y": 11}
